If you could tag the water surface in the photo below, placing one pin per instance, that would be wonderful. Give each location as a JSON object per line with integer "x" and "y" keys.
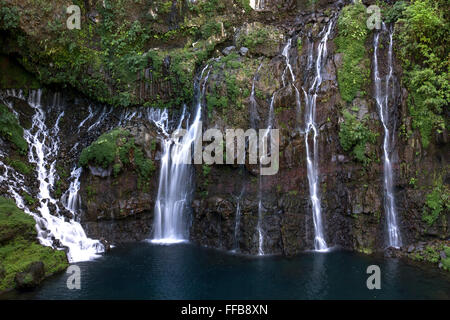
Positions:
{"x": 187, "y": 271}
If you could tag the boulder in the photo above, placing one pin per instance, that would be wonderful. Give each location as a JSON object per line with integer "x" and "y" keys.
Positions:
{"x": 228, "y": 50}
{"x": 31, "y": 277}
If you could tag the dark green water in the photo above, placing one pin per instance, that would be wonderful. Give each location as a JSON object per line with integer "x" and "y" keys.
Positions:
{"x": 185, "y": 271}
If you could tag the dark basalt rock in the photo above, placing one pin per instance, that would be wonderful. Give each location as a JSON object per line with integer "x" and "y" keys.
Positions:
{"x": 31, "y": 277}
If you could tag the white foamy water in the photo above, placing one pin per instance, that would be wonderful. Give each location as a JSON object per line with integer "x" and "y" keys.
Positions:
{"x": 175, "y": 180}
{"x": 382, "y": 96}
{"x": 312, "y": 151}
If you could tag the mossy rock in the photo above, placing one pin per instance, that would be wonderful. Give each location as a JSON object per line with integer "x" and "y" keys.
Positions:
{"x": 20, "y": 253}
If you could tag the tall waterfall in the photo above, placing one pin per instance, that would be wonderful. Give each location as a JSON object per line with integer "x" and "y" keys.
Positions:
{"x": 382, "y": 96}
{"x": 175, "y": 180}
{"x": 312, "y": 152}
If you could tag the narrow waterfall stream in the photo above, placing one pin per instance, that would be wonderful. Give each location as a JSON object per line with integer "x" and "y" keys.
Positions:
{"x": 312, "y": 152}
{"x": 175, "y": 180}
{"x": 382, "y": 97}
{"x": 237, "y": 220}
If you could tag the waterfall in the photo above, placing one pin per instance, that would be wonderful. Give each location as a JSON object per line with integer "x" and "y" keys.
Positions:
{"x": 312, "y": 156}
{"x": 257, "y": 5}
{"x": 71, "y": 199}
{"x": 175, "y": 179}
{"x": 43, "y": 149}
{"x": 266, "y": 137}
{"x": 382, "y": 101}
{"x": 237, "y": 221}
{"x": 44, "y": 146}
{"x": 285, "y": 54}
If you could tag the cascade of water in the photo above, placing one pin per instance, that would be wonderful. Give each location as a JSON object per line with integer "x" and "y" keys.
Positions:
{"x": 71, "y": 199}
{"x": 174, "y": 191}
{"x": 285, "y": 54}
{"x": 257, "y": 5}
{"x": 44, "y": 146}
{"x": 312, "y": 156}
{"x": 382, "y": 100}
{"x": 266, "y": 137}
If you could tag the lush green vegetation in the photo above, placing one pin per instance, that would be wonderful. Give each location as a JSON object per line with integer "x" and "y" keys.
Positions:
{"x": 19, "y": 166}
{"x": 437, "y": 201}
{"x": 354, "y": 73}
{"x": 117, "y": 149}
{"x": 103, "y": 151}
{"x": 422, "y": 42}
{"x": 18, "y": 246}
{"x": 432, "y": 254}
{"x": 108, "y": 57}
{"x": 446, "y": 261}
{"x": 354, "y": 136}
{"x": 11, "y": 130}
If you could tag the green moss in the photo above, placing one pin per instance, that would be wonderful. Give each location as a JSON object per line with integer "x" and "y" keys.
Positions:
{"x": 118, "y": 149}
{"x": 11, "y": 130}
{"x": 352, "y": 34}
{"x": 103, "y": 151}
{"x": 19, "y": 166}
{"x": 14, "y": 221}
{"x": 18, "y": 254}
{"x": 18, "y": 246}
{"x": 28, "y": 199}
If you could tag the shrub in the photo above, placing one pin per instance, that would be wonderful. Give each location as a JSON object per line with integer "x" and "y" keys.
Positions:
{"x": 423, "y": 48}
{"x": 102, "y": 152}
{"x": 436, "y": 201}
{"x": 9, "y": 17}
{"x": 354, "y": 135}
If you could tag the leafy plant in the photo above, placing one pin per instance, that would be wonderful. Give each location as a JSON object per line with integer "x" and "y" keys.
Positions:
{"x": 423, "y": 48}
{"x": 354, "y": 135}
{"x": 436, "y": 201}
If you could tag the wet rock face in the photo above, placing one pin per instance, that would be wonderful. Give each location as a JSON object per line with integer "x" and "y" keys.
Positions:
{"x": 351, "y": 193}
{"x": 119, "y": 207}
